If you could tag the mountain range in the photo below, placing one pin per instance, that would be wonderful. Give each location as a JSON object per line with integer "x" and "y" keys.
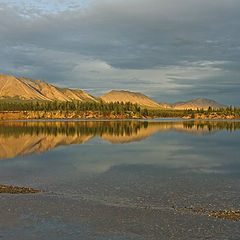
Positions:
{"x": 22, "y": 88}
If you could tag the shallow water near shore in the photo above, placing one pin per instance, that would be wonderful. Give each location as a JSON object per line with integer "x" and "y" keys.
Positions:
{"x": 120, "y": 180}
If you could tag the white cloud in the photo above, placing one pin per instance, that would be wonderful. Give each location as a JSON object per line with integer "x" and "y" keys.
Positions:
{"x": 159, "y": 78}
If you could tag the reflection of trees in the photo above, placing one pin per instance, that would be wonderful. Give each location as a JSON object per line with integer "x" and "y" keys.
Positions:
{"x": 212, "y": 125}
{"x": 99, "y": 128}
{"x": 24, "y": 138}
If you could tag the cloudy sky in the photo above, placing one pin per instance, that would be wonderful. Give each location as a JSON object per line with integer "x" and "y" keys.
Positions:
{"x": 169, "y": 50}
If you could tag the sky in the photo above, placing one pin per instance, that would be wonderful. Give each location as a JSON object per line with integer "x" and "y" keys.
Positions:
{"x": 170, "y": 50}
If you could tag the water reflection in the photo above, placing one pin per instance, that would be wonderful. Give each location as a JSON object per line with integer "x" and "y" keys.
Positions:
{"x": 24, "y": 138}
{"x": 110, "y": 190}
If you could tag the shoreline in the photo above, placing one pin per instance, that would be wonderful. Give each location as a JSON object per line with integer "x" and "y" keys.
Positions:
{"x": 81, "y": 116}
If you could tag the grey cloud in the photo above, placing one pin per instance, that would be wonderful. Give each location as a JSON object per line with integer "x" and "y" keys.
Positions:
{"x": 134, "y": 34}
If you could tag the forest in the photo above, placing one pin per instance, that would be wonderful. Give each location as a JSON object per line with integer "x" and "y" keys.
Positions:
{"x": 114, "y": 108}
{"x": 124, "y": 110}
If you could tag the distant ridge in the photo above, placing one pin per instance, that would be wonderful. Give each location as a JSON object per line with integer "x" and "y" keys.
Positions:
{"x": 30, "y": 89}
{"x": 21, "y": 88}
{"x": 127, "y": 96}
{"x": 193, "y": 104}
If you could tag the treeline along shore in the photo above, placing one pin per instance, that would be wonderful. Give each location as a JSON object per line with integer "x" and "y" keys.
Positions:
{"x": 21, "y": 110}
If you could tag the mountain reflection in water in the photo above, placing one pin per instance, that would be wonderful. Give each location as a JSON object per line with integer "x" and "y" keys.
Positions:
{"x": 25, "y": 138}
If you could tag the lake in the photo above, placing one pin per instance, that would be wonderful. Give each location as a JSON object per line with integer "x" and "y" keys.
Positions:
{"x": 120, "y": 180}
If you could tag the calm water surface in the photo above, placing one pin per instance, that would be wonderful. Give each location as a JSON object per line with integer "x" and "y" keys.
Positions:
{"x": 120, "y": 180}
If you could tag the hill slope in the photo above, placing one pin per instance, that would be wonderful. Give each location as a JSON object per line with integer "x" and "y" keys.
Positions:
{"x": 29, "y": 89}
{"x": 127, "y": 96}
{"x": 193, "y": 104}
{"x": 11, "y": 87}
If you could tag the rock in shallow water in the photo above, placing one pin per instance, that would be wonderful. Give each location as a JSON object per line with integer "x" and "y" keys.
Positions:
{"x": 17, "y": 190}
